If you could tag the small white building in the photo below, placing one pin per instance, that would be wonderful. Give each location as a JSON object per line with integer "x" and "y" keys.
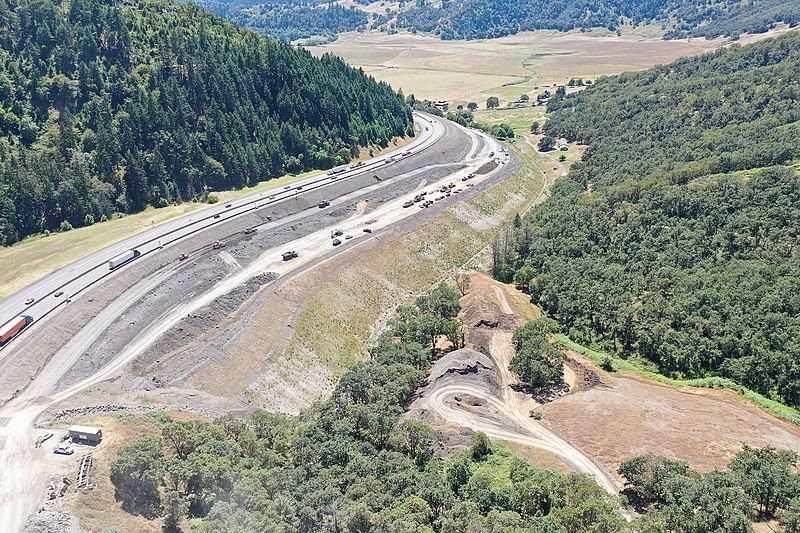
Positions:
{"x": 562, "y": 145}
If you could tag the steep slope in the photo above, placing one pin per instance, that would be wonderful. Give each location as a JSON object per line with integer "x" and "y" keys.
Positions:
{"x": 107, "y": 108}
{"x": 677, "y": 237}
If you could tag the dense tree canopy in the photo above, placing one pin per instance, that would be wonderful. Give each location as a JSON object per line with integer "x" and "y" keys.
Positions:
{"x": 676, "y": 237}
{"x": 107, "y": 108}
{"x": 288, "y": 20}
{"x": 758, "y": 482}
{"x": 482, "y": 19}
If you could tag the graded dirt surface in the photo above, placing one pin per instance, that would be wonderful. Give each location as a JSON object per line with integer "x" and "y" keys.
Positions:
{"x": 629, "y": 415}
{"x": 463, "y": 71}
{"x": 613, "y": 417}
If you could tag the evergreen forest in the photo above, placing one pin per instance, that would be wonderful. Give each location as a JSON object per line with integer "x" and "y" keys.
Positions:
{"x": 675, "y": 239}
{"x": 108, "y": 108}
{"x": 290, "y": 20}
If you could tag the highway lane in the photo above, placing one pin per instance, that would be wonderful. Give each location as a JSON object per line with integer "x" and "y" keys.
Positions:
{"x": 91, "y": 269}
{"x": 25, "y": 469}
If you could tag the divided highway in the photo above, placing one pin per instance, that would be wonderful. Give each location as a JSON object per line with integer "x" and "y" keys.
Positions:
{"x": 78, "y": 276}
{"x": 25, "y": 469}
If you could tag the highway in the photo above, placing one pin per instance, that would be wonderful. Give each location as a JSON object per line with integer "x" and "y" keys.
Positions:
{"x": 83, "y": 273}
{"x": 26, "y": 469}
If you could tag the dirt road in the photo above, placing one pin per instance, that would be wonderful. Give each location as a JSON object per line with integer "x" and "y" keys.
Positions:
{"x": 482, "y": 398}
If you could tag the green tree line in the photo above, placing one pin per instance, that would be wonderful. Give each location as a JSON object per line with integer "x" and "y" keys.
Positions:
{"x": 110, "y": 108}
{"x": 675, "y": 238}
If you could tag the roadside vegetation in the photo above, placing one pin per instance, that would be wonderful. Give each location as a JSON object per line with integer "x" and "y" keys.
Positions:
{"x": 675, "y": 238}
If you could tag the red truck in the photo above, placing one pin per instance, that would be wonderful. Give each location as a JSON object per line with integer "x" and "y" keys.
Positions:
{"x": 10, "y": 329}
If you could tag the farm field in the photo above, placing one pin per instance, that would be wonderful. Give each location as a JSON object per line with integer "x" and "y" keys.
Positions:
{"x": 463, "y": 71}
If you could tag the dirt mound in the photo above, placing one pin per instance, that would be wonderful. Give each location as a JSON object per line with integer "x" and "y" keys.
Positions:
{"x": 52, "y": 522}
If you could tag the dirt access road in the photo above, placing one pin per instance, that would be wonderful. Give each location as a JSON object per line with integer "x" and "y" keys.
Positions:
{"x": 475, "y": 388}
{"x": 604, "y": 418}
{"x": 25, "y": 473}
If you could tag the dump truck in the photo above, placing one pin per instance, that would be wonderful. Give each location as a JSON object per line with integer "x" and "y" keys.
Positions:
{"x": 217, "y": 245}
{"x": 249, "y": 229}
{"x": 13, "y": 327}
{"x": 123, "y": 258}
{"x": 289, "y": 255}
{"x": 324, "y": 203}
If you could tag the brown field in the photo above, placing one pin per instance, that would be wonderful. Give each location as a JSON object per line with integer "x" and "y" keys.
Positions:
{"x": 463, "y": 71}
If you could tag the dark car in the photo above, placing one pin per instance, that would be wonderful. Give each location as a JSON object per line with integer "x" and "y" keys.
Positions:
{"x": 227, "y": 205}
{"x": 367, "y": 230}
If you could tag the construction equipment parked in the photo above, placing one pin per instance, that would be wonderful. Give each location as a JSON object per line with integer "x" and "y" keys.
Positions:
{"x": 336, "y": 233}
{"x": 289, "y": 255}
{"x": 324, "y": 203}
{"x": 182, "y": 257}
{"x": 217, "y": 245}
{"x": 249, "y": 229}
{"x": 10, "y": 329}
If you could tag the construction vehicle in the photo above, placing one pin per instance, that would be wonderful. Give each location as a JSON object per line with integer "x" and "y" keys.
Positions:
{"x": 408, "y": 203}
{"x": 419, "y": 198}
{"x": 451, "y": 186}
{"x": 249, "y": 229}
{"x": 289, "y": 255}
{"x": 182, "y": 257}
{"x": 123, "y": 258}
{"x": 336, "y": 233}
{"x": 217, "y": 245}
{"x": 324, "y": 203}
{"x": 12, "y": 328}
{"x": 336, "y": 242}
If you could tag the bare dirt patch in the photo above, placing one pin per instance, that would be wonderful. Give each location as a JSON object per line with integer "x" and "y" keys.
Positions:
{"x": 632, "y": 415}
{"x": 615, "y": 417}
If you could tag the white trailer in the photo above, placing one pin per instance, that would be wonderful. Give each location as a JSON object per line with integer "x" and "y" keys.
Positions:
{"x": 123, "y": 258}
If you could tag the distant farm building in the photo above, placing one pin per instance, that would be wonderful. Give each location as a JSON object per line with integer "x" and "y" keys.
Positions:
{"x": 86, "y": 434}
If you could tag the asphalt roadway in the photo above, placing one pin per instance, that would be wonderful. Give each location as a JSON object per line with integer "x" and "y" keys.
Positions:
{"x": 86, "y": 272}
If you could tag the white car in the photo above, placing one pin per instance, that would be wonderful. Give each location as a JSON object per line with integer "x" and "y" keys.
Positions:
{"x": 28, "y": 301}
{"x": 64, "y": 449}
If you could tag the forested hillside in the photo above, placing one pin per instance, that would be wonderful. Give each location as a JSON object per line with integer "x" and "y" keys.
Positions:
{"x": 111, "y": 108}
{"x": 289, "y": 19}
{"x": 677, "y": 236}
{"x": 481, "y": 19}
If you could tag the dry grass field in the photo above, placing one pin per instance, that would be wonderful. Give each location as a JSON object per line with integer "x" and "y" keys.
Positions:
{"x": 463, "y": 71}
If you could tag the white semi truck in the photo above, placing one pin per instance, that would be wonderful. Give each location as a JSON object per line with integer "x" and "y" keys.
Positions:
{"x": 123, "y": 258}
